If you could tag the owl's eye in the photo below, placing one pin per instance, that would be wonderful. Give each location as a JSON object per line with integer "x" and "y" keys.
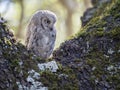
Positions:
{"x": 48, "y": 22}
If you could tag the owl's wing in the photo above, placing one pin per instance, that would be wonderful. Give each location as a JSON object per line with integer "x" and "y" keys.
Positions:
{"x": 30, "y": 28}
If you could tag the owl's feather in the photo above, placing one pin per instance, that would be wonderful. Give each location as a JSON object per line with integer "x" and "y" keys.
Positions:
{"x": 41, "y": 33}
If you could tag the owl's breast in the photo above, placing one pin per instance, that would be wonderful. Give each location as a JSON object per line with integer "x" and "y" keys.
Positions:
{"x": 45, "y": 39}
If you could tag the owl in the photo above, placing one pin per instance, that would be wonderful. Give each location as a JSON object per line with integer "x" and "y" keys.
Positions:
{"x": 41, "y": 33}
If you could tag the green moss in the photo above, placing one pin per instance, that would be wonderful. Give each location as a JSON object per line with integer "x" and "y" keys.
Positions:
{"x": 82, "y": 33}
{"x": 99, "y": 65}
{"x": 114, "y": 79}
{"x": 65, "y": 79}
{"x": 117, "y": 16}
{"x": 114, "y": 33}
{"x": 97, "y": 33}
{"x": 115, "y": 9}
{"x": 14, "y": 63}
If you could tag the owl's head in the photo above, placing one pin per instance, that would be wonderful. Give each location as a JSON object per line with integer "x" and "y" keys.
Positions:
{"x": 44, "y": 18}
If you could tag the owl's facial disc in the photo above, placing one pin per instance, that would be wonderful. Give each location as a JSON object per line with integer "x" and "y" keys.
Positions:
{"x": 46, "y": 23}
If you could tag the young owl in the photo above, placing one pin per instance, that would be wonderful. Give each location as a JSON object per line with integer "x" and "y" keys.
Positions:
{"x": 41, "y": 33}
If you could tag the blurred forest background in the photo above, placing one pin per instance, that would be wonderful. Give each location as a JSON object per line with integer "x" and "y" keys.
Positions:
{"x": 19, "y": 12}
